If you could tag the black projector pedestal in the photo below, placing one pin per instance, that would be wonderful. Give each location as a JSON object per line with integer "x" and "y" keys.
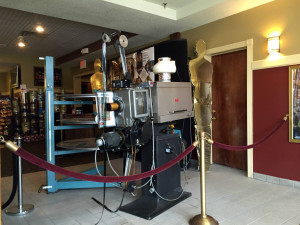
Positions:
{"x": 167, "y": 183}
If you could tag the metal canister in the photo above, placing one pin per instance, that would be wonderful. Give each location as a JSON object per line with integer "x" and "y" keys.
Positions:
{"x": 32, "y": 108}
{"x": 78, "y": 111}
{"x": 41, "y": 124}
{"x": 32, "y": 96}
{"x": 63, "y": 108}
{"x": 24, "y": 98}
{"x": 33, "y": 130}
{"x": 40, "y": 95}
{"x": 15, "y": 105}
{"x": 33, "y": 122}
{"x": 24, "y": 114}
{"x": 42, "y": 131}
{"x": 40, "y": 111}
{"x": 56, "y": 107}
{"x": 23, "y": 108}
{"x": 5, "y": 130}
{"x": 17, "y": 130}
{"x": 41, "y": 104}
{"x": 25, "y": 127}
{"x": 17, "y": 121}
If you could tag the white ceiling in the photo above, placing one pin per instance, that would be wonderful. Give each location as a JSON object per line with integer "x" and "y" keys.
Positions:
{"x": 71, "y": 25}
{"x": 172, "y": 4}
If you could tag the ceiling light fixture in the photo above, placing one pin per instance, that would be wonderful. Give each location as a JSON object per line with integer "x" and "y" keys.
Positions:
{"x": 39, "y": 29}
{"x": 21, "y": 42}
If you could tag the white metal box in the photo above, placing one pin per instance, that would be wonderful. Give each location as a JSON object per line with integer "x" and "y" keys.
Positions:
{"x": 172, "y": 101}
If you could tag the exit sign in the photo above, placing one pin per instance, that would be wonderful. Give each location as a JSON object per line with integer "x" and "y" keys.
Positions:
{"x": 82, "y": 64}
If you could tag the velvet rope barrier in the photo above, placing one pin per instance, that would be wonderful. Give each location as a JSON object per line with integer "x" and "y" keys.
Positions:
{"x": 240, "y": 148}
{"x": 95, "y": 178}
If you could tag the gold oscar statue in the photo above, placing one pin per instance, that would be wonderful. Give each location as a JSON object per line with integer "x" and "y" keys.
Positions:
{"x": 201, "y": 74}
{"x": 97, "y": 78}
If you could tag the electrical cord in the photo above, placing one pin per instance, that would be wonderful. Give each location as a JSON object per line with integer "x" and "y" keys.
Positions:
{"x": 191, "y": 140}
{"x": 107, "y": 155}
{"x": 104, "y": 193}
{"x": 96, "y": 166}
{"x": 108, "y": 209}
{"x": 167, "y": 199}
{"x": 178, "y": 75}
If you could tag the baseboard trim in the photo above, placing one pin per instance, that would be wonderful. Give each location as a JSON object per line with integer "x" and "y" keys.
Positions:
{"x": 277, "y": 180}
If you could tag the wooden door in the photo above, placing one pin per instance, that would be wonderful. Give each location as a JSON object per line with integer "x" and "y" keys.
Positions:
{"x": 229, "y": 104}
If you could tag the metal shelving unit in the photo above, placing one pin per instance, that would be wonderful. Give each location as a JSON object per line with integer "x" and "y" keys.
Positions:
{"x": 54, "y": 185}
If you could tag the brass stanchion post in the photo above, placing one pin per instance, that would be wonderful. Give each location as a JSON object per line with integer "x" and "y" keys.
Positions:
{"x": 203, "y": 218}
{"x": 20, "y": 209}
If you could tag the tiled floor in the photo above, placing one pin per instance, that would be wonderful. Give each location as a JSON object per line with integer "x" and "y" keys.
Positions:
{"x": 232, "y": 199}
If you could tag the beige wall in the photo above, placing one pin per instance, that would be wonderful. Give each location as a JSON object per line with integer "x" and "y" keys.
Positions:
{"x": 257, "y": 23}
{"x": 90, "y": 65}
{"x": 27, "y": 63}
{"x": 4, "y": 83}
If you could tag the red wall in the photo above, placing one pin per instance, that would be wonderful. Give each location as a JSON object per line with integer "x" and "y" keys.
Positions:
{"x": 276, "y": 157}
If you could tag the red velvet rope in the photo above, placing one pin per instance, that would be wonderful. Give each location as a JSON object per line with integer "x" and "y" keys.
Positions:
{"x": 95, "y": 178}
{"x": 240, "y": 148}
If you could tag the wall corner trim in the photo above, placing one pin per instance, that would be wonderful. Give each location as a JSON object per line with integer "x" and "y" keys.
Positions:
{"x": 282, "y": 61}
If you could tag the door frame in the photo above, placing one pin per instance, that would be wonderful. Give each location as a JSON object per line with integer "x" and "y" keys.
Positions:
{"x": 248, "y": 45}
{"x": 77, "y": 80}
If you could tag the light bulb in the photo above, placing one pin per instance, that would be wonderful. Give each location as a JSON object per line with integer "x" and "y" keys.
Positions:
{"x": 39, "y": 29}
{"x": 21, "y": 42}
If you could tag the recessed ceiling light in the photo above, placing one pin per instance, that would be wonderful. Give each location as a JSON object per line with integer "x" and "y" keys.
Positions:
{"x": 21, "y": 42}
{"x": 39, "y": 29}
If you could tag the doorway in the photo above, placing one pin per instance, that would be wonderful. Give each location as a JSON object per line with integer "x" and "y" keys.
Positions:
{"x": 247, "y": 44}
{"x": 229, "y": 94}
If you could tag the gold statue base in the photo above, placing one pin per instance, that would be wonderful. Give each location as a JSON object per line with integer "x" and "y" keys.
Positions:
{"x": 200, "y": 220}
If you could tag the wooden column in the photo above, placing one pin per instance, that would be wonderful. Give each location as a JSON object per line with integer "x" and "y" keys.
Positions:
{"x": 175, "y": 36}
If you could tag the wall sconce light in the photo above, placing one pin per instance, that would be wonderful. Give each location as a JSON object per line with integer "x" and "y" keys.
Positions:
{"x": 273, "y": 44}
{"x": 21, "y": 42}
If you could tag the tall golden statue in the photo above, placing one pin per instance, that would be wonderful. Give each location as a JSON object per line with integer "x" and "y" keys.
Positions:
{"x": 97, "y": 78}
{"x": 201, "y": 74}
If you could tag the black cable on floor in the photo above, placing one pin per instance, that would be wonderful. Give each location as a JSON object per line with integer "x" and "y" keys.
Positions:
{"x": 104, "y": 190}
{"x": 108, "y": 209}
